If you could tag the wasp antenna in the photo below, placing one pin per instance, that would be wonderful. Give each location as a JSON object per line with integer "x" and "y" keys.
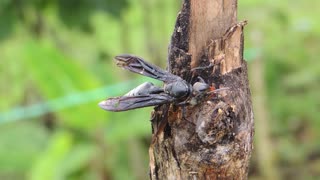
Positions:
{"x": 220, "y": 89}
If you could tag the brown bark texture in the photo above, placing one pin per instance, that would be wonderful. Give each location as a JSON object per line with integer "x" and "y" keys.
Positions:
{"x": 212, "y": 140}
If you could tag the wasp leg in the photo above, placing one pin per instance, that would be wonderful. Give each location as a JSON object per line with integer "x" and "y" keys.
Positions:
{"x": 191, "y": 78}
{"x": 203, "y": 67}
{"x": 194, "y": 73}
{"x": 201, "y": 79}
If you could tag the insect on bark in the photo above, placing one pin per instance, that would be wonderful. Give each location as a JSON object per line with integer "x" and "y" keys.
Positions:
{"x": 175, "y": 90}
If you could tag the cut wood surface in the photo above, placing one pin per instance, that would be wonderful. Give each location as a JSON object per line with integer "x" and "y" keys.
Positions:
{"x": 212, "y": 140}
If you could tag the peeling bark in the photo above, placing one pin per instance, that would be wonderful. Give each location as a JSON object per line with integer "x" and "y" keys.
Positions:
{"x": 212, "y": 140}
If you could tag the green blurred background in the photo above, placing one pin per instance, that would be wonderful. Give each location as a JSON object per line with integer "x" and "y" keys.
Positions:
{"x": 56, "y": 65}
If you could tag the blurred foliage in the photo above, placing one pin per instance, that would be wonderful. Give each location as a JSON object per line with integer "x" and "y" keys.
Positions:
{"x": 54, "y": 49}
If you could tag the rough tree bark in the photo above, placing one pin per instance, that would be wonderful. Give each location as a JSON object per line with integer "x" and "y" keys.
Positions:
{"x": 212, "y": 140}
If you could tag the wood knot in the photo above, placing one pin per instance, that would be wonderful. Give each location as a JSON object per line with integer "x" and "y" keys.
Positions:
{"x": 213, "y": 126}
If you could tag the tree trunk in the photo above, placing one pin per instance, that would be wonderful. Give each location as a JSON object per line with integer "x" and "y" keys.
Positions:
{"x": 212, "y": 140}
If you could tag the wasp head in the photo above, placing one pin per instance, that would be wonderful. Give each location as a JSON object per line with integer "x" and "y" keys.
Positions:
{"x": 200, "y": 88}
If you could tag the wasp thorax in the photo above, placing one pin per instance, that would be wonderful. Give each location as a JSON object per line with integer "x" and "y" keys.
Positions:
{"x": 177, "y": 89}
{"x": 200, "y": 87}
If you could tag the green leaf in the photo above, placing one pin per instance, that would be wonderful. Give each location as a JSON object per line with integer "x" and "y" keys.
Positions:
{"x": 46, "y": 167}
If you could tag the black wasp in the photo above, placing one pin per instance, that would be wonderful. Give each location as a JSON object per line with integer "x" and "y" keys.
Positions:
{"x": 176, "y": 90}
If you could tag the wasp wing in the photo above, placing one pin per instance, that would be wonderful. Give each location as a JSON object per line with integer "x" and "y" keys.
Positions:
{"x": 124, "y": 103}
{"x": 138, "y": 65}
{"x": 145, "y": 89}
